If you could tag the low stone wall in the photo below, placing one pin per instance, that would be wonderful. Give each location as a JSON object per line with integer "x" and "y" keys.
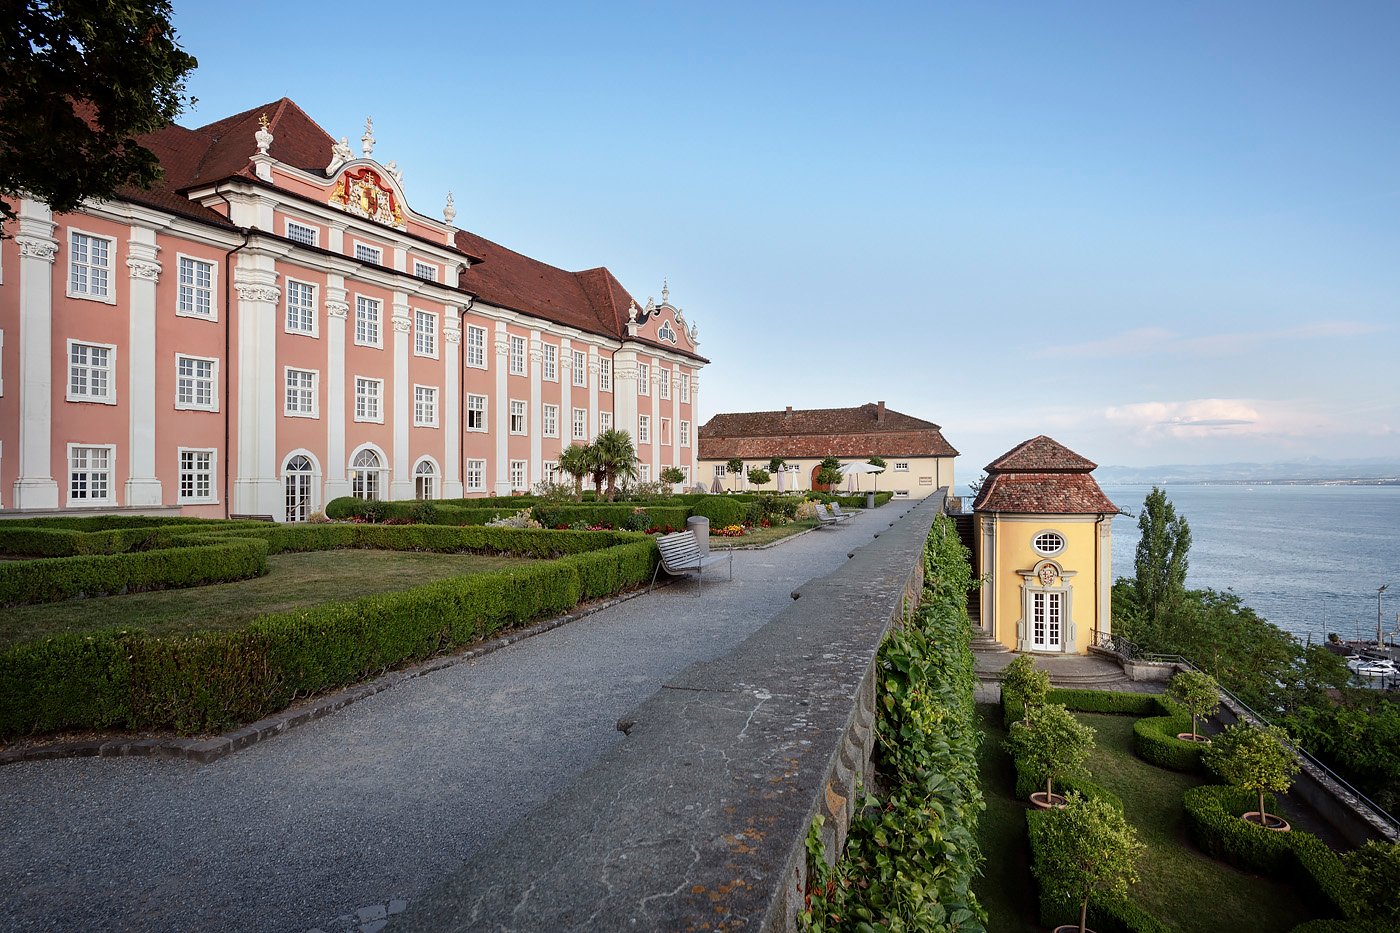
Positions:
{"x": 698, "y": 820}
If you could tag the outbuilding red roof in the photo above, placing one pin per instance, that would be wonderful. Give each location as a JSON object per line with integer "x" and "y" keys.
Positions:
{"x": 864, "y": 431}
{"x": 1042, "y": 476}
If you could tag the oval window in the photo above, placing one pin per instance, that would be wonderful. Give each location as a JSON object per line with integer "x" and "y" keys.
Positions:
{"x": 1049, "y": 542}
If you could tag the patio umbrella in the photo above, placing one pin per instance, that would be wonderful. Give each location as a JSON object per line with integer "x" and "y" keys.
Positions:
{"x": 849, "y": 470}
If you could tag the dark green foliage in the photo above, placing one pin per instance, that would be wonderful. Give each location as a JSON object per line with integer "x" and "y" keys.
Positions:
{"x": 1374, "y": 870}
{"x": 1050, "y": 744}
{"x": 720, "y": 510}
{"x": 1155, "y": 740}
{"x": 1107, "y": 913}
{"x": 57, "y": 578}
{"x": 1161, "y": 559}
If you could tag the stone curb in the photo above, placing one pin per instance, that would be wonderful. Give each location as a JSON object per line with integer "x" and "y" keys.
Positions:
{"x": 202, "y": 751}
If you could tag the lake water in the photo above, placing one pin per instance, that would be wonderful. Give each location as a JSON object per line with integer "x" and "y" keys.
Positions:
{"x": 1307, "y": 558}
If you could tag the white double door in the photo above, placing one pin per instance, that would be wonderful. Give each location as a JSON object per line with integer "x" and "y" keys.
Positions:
{"x": 1047, "y": 621}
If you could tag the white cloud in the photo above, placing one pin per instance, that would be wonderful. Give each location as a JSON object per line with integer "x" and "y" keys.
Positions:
{"x": 1195, "y": 418}
{"x": 1145, "y": 340}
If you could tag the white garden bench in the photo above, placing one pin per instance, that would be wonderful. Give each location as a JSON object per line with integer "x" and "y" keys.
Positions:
{"x": 836, "y": 510}
{"x": 681, "y": 554}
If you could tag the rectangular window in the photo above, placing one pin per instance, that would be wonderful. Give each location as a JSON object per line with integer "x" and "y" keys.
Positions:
{"x": 580, "y": 424}
{"x": 517, "y": 475}
{"x": 685, "y": 433}
{"x": 901, "y": 466}
{"x": 194, "y": 383}
{"x": 549, "y": 470}
{"x": 517, "y": 417}
{"x": 425, "y": 271}
{"x": 644, "y": 429}
{"x": 685, "y": 387}
{"x": 476, "y": 413}
{"x": 605, "y": 421}
{"x": 476, "y": 346}
{"x": 664, "y": 382}
{"x": 425, "y": 333}
{"x": 89, "y": 267}
{"x": 195, "y": 297}
{"x": 551, "y": 421}
{"x": 644, "y": 472}
{"x": 476, "y": 475}
{"x": 517, "y": 355}
{"x": 665, "y": 432}
{"x": 425, "y": 406}
{"x": 686, "y": 470}
{"x": 90, "y": 474}
{"x": 643, "y": 379}
{"x": 301, "y": 393}
{"x": 604, "y": 375}
{"x": 196, "y": 475}
{"x": 551, "y": 362}
{"x": 367, "y": 315}
{"x": 580, "y": 368}
{"x": 719, "y": 471}
{"x": 366, "y": 253}
{"x": 301, "y": 307}
{"x": 369, "y": 399}
{"x": 302, "y": 233}
{"x": 91, "y": 373}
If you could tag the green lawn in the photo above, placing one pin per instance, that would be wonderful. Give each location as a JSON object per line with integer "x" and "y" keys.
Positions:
{"x": 292, "y": 580}
{"x": 755, "y": 536}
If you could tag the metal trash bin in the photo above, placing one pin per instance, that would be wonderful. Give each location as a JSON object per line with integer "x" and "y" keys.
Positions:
{"x": 701, "y": 526}
{"x": 870, "y": 500}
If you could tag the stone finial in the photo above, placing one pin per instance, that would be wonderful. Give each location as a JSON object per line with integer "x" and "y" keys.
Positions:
{"x": 449, "y": 210}
{"x": 340, "y": 154}
{"x": 632, "y": 312}
{"x": 694, "y": 335}
{"x": 367, "y": 140}
{"x": 263, "y": 135}
{"x": 666, "y": 290}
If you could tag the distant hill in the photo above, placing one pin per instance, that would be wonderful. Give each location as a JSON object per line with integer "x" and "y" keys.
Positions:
{"x": 1372, "y": 471}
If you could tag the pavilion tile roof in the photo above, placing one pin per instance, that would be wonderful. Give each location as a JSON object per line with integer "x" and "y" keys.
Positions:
{"x": 821, "y": 432}
{"x": 1042, "y": 476}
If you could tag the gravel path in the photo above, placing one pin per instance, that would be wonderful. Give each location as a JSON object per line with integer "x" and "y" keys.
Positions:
{"x": 339, "y": 823}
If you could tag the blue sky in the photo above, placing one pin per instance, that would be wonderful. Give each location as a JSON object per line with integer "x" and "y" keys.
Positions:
{"x": 1163, "y": 233}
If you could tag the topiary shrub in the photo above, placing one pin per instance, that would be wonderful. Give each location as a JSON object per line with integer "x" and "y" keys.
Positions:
{"x": 720, "y": 510}
{"x": 1084, "y": 850}
{"x": 1051, "y": 744}
{"x": 1254, "y": 759}
{"x": 1197, "y": 693}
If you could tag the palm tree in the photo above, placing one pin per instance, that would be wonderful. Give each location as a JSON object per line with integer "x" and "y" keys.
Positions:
{"x": 577, "y": 461}
{"x": 617, "y": 458}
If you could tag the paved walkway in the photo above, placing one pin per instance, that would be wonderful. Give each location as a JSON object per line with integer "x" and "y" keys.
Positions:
{"x": 336, "y": 824}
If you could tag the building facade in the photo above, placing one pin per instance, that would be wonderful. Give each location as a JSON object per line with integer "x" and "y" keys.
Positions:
{"x": 272, "y": 326}
{"x": 918, "y": 460}
{"x": 1043, "y": 529}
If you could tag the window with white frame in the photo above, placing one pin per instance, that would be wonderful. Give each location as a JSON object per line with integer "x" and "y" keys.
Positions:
{"x": 301, "y": 393}
{"x": 476, "y": 475}
{"x": 366, "y": 253}
{"x": 551, "y": 420}
{"x": 425, "y": 406}
{"x": 476, "y": 413}
{"x": 644, "y": 429}
{"x": 301, "y": 307}
{"x": 368, "y": 313}
{"x": 643, "y": 379}
{"x": 549, "y": 471}
{"x": 196, "y": 475}
{"x": 369, "y": 399}
{"x": 90, "y": 473}
{"x": 305, "y": 234}
{"x": 604, "y": 375}
{"x": 195, "y": 296}
{"x": 367, "y": 475}
{"x": 92, "y": 372}
{"x": 719, "y": 471}
{"x": 476, "y": 346}
{"x": 425, "y": 271}
{"x": 297, "y": 484}
{"x": 1048, "y": 543}
{"x": 425, "y": 480}
{"x": 425, "y": 333}
{"x": 901, "y": 466}
{"x": 195, "y": 378}
{"x": 664, "y": 382}
{"x": 605, "y": 421}
{"x": 580, "y": 424}
{"x": 580, "y": 373}
{"x": 685, "y": 387}
{"x": 644, "y": 472}
{"x": 89, "y": 266}
{"x": 517, "y": 416}
{"x": 686, "y": 471}
{"x": 685, "y": 433}
{"x": 517, "y": 475}
{"x": 517, "y": 355}
{"x": 551, "y": 362}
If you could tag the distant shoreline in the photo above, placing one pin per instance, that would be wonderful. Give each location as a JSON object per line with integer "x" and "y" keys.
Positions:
{"x": 1383, "y": 481}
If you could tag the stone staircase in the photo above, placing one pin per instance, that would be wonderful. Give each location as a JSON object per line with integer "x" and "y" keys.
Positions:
{"x": 966, "y": 534}
{"x": 987, "y": 643}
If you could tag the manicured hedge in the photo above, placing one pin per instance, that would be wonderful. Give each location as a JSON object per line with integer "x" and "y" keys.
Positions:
{"x": 1028, "y": 783}
{"x": 1154, "y": 735}
{"x": 637, "y": 518}
{"x": 1155, "y": 740}
{"x": 720, "y": 510}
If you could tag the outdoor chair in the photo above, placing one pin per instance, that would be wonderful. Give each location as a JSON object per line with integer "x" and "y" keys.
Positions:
{"x": 836, "y": 510}
{"x": 823, "y": 516}
{"x": 681, "y": 554}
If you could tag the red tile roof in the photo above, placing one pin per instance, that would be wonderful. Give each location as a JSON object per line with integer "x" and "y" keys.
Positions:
{"x": 821, "y": 432}
{"x": 1042, "y": 476}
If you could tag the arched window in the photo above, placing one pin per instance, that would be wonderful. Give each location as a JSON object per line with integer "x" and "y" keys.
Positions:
{"x": 425, "y": 480}
{"x": 297, "y": 478}
{"x": 365, "y": 475}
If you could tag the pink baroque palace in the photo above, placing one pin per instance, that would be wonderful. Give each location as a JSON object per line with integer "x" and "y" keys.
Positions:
{"x": 273, "y": 326}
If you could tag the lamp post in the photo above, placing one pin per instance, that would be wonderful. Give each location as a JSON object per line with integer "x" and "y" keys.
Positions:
{"x": 1380, "y": 640}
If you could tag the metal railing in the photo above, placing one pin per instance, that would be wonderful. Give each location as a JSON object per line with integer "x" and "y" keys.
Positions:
{"x": 1132, "y": 652}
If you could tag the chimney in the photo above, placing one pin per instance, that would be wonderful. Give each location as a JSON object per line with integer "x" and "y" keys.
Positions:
{"x": 879, "y": 411}
{"x": 789, "y": 411}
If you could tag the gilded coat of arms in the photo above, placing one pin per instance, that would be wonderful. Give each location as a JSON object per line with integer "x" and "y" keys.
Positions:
{"x": 364, "y": 193}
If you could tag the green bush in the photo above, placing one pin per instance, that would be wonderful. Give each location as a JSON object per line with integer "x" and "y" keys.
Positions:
{"x": 720, "y": 510}
{"x": 1107, "y": 913}
{"x": 1155, "y": 741}
{"x": 618, "y": 516}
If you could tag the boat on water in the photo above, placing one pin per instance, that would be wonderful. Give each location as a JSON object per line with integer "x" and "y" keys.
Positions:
{"x": 1364, "y": 665}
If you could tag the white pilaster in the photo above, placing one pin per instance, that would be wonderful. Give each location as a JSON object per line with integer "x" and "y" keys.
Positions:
{"x": 452, "y": 403}
{"x": 256, "y": 490}
{"x": 593, "y": 409}
{"x": 35, "y": 488}
{"x": 566, "y": 394}
{"x": 656, "y": 419}
{"x": 401, "y": 485}
{"x": 536, "y": 425}
{"x": 142, "y": 485}
{"x": 676, "y": 450}
{"x": 695, "y": 432}
{"x": 625, "y": 392}
{"x": 337, "y": 314}
{"x": 500, "y": 481}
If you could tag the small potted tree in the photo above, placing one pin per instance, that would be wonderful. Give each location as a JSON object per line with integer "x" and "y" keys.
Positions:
{"x": 759, "y": 476}
{"x": 734, "y": 465}
{"x": 1199, "y": 694}
{"x": 1053, "y": 746}
{"x": 1085, "y": 847}
{"x": 1255, "y": 760}
{"x": 671, "y": 476}
{"x": 1024, "y": 681}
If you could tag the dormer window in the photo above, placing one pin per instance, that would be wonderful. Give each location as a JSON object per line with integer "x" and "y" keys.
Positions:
{"x": 666, "y": 332}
